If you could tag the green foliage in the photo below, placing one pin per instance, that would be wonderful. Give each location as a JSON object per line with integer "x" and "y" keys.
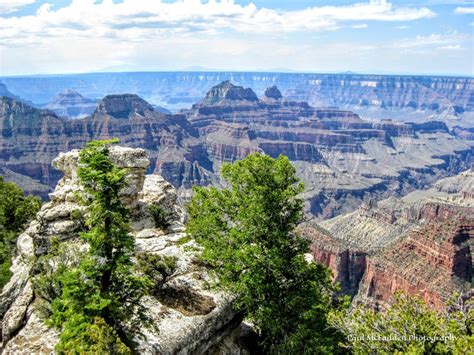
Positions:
{"x": 77, "y": 216}
{"x": 16, "y": 210}
{"x": 248, "y": 234}
{"x": 157, "y": 268}
{"x": 102, "y": 294}
{"x": 92, "y": 338}
{"x": 49, "y": 270}
{"x": 184, "y": 240}
{"x": 408, "y": 326}
{"x": 160, "y": 217}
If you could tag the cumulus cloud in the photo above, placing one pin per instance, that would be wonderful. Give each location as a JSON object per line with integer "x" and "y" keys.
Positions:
{"x": 464, "y": 10}
{"x": 92, "y": 35}
{"x": 8, "y": 6}
{"x": 141, "y": 20}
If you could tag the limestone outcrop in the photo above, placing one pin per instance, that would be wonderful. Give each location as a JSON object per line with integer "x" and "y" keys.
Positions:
{"x": 191, "y": 319}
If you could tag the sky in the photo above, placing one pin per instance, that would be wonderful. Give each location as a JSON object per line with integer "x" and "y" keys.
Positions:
{"x": 377, "y": 36}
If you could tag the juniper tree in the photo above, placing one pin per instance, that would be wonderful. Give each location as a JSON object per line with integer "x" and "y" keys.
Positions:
{"x": 248, "y": 232}
{"x": 102, "y": 294}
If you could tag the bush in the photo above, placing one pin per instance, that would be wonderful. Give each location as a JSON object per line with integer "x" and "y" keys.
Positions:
{"x": 48, "y": 272}
{"x": 93, "y": 338}
{"x": 160, "y": 216}
{"x": 157, "y": 268}
{"x": 16, "y": 210}
{"x": 408, "y": 326}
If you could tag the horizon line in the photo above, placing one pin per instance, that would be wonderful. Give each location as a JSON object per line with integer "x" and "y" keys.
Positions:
{"x": 348, "y": 72}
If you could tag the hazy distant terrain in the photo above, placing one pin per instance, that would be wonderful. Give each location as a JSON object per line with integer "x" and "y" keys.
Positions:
{"x": 407, "y": 98}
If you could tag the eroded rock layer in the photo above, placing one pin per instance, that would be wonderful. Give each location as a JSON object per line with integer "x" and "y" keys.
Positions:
{"x": 342, "y": 159}
{"x": 421, "y": 244}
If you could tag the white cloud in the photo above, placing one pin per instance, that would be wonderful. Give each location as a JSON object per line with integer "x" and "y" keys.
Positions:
{"x": 464, "y": 10}
{"x": 435, "y": 41}
{"x": 449, "y": 2}
{"x": 88, "y": 35}
{"x": 8, "y": 6}
{"x": 402, "y": 27}
{"x": 144, "y": 19}
{"x": 451, "y": 47}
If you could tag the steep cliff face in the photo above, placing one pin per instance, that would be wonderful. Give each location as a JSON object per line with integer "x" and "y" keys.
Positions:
{"x": 31, "y": 138}
{"x": 342, "y": 159}
{"x": 226, "y": 94}
{"x": 194, "y": 321}
{"x": 420, "y": 244}
{"x": 123, "y": 106}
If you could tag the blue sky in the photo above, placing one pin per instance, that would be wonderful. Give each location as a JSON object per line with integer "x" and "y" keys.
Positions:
{"x": 376, "y": 36}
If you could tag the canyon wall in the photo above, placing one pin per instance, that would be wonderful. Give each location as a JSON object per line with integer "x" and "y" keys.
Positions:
{"x": 397, "y": 96}
{"x": 420, "y": 244}
{"x": 342, "y": 159}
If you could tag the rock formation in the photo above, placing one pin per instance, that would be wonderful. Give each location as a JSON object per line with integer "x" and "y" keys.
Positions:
{"x": 71, "y": 104}
{"x": 420, "y": 244}
{"x": 342, "y": 159}
{"x": 393, "y": 96}
{"x": 191, "y": 320}
{"x": 226, "y": 94}
{"x": 5, "y": 93}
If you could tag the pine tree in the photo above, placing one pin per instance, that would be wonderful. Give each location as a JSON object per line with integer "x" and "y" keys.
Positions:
{"x": 102, "y": 295}
{"x": 249, "y": 236}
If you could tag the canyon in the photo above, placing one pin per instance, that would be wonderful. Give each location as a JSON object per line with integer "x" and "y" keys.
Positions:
{"x": 400, "y": 97}
{"x": 389, "y": 204}
{"x": 343, "y": 159}
{"x": 421, "y": 244}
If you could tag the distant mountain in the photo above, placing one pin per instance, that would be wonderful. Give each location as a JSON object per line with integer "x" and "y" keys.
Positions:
{"x": 162, "y": 110}
{"x": 399, "y": 97}
{"x": 342, "y": 159}
{"x": 71, "y": 104}
{"x": 4, "y": 92}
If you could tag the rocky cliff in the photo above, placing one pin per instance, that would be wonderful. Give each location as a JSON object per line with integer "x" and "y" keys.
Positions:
{"x": 71, "y": 104}
{"x": 191, "y": 320}
{"x": 401, "y": 97}
{"x": 421, "y": 244}
{"x": 343, "y": 159}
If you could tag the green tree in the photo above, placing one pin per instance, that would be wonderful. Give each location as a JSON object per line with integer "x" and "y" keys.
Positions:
{"x": 102, "y": 293}
{"x": 408, "y": 326}
{"x": 16, "y": 210}
{"x": 249, "y": 238}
